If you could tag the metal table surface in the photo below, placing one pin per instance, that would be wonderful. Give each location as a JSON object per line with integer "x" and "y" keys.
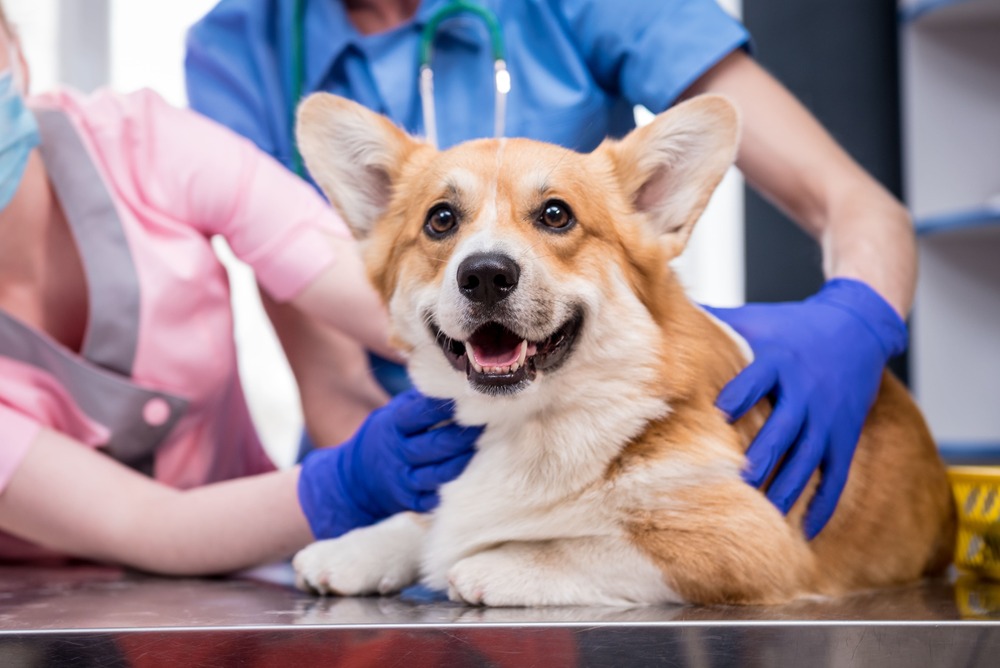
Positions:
{"x": 98, "y": 616}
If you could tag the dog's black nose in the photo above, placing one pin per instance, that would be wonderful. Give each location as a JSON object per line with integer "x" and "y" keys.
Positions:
{"x": 487, "y": 278}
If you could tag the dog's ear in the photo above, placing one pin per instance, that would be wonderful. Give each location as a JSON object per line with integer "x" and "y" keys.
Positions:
{"x": 353, "y": 154}
{"x": 670, "y": 167}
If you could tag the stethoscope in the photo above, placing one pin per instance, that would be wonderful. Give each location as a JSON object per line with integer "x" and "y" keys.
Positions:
{"x": 501, "y": 77}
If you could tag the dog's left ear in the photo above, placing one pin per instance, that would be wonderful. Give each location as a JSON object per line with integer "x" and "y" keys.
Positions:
{"x": 671, "y": 167}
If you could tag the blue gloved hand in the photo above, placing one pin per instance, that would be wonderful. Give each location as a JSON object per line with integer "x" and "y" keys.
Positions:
{"x": 822, "y": 361}
{"x": 394, "y": 462}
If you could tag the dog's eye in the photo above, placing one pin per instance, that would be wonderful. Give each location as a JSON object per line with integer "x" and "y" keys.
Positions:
{"x": 440, "y": 221}
{"x": 556, "y": 215}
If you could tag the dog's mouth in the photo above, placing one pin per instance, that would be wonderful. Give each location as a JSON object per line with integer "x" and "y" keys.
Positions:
{"x": 497, "y": 360}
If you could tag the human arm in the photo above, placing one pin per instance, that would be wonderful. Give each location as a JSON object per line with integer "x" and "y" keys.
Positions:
{"x": 205, "y": 176}
{"x": 785, "y": 154}
{"x": 652, "y": 53}
{"x": 228, "y": 69}
{"x": 71, "y": 499}
{"x": 336, "y": 386}
{"x": 821, "y": 359}
{"x": 67, "y": 497}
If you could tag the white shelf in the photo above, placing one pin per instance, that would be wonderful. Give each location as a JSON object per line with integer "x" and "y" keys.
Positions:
{"x": 951, "y": 118}
{"x": 948, "y": 12}
{"x": 970, "y": 453}
{"x": 986, "y": 220}
{"x": 955, "y": 347}
{"x": 950, "y": 64}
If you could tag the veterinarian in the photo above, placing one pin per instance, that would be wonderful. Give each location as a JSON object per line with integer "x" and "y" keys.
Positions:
{"x": 126, "y": 437}
{"x": 575, "y": 69}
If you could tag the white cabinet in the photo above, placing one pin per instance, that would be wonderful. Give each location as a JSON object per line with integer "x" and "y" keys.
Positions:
{"x": 950, "y": 63}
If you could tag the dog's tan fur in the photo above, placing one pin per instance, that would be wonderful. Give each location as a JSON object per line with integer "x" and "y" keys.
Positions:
{"x": 672, "y": 488}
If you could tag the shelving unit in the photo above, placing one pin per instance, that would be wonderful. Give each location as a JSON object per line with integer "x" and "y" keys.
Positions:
{"x": 951, "y": 123}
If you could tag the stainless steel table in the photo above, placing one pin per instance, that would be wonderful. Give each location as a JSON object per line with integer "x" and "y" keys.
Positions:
{"x": 95, "y": 616}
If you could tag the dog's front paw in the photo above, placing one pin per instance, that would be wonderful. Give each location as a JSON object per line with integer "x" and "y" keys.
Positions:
{"x": 493, "y": 579}
{"x": 373, "y": 560}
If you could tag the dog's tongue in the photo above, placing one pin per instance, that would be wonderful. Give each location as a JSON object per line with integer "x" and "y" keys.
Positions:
{"x": 495, "y": 345}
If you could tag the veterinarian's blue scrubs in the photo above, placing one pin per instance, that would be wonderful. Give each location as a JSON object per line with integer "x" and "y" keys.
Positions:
{"x": 578, "y": 67}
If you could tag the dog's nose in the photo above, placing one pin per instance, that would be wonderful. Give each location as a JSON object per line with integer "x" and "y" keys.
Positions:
{"x": 487, "y": 278}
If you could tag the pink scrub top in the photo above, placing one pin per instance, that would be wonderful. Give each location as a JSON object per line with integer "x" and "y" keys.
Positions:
{"x": 145, "y": 187}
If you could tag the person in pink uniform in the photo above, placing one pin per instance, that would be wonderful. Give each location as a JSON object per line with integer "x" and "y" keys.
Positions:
{"x": 124, "y": 434}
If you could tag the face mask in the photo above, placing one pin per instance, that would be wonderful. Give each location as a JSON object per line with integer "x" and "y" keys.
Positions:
{"x": 18, "y": 135}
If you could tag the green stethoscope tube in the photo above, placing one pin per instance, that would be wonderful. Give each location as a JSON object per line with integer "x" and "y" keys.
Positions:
{"x": 501, "y": 77}
{"x": 298, "y": 79}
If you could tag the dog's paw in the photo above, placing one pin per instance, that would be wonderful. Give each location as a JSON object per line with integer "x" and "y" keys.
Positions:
{"x": 373, "y": 560}
{"x": 492, "y": 579}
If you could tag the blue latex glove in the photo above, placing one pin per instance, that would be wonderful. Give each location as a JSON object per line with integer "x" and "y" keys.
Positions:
{"x": 821, "y": 360}
{"x": 394, "y": 462}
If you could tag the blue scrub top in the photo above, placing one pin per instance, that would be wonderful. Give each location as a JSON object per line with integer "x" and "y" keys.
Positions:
{"x": 578, "y": 67}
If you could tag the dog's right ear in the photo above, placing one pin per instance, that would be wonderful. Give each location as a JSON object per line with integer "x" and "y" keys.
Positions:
{"x": 353, "y": 154}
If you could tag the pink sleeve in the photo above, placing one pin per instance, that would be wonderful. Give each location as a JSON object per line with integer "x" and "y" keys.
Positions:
{"x": 19, "y": 432}
{"x": 204, "y": 174}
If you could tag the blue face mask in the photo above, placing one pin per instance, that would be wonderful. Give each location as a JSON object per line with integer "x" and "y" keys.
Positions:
{"x": 18, "y": 135}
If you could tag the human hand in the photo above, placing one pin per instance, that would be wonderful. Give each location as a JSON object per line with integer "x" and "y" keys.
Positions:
{"x": 395, "y": 462}
{"x": 823, "y": 360}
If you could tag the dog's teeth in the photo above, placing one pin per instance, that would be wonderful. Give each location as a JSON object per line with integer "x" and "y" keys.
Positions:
{"x": 522, "y": 354}
{"x": 472, "y": 359}
{"x": 514, "y": 367}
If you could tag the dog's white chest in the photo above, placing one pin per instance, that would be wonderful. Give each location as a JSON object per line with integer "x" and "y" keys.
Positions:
{"x": 540, "y": 482}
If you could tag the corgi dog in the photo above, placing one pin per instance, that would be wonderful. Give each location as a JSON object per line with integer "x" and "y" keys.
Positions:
{"x": 532, "y": 284}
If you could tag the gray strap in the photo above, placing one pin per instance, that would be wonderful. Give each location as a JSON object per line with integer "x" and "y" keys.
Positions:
{"x": 102, "y": 395}
{"x": 112, "y": 282}
{"x": 99, "y": 382}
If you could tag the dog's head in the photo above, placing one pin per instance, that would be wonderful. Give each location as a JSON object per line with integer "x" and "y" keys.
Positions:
{"x": 506, "y": 264}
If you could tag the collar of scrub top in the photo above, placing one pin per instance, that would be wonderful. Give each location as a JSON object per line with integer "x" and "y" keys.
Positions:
{"x": 99, "y": 378}
{"x": 322, "y": 31}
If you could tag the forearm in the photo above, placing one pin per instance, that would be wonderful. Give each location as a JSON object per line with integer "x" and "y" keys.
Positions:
{"x": 788, "y": 157}
{"x": 342, "y": 298}
{"x": 864, "y": 232}
{"x": 70, "y": 499}
{"x": 338, "y": 390}
{"x": 869, "y": 237}
{"x": 222, "y": 527}
{"x": 334, "y": 410}
{"x": 336, "y": 386}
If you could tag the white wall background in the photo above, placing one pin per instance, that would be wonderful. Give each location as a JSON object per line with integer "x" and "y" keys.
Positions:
{"x": 145, "y": 48}
{"x": 35, "y": 21}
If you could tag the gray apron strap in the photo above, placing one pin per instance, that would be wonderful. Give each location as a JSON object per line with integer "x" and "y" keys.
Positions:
{"x": 135, "y": 416}
{"x": 138, "y": 419}
{"x": 112, "y": 283}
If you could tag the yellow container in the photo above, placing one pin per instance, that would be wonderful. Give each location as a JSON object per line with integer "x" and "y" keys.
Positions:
{"x": 977, "y": 495}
